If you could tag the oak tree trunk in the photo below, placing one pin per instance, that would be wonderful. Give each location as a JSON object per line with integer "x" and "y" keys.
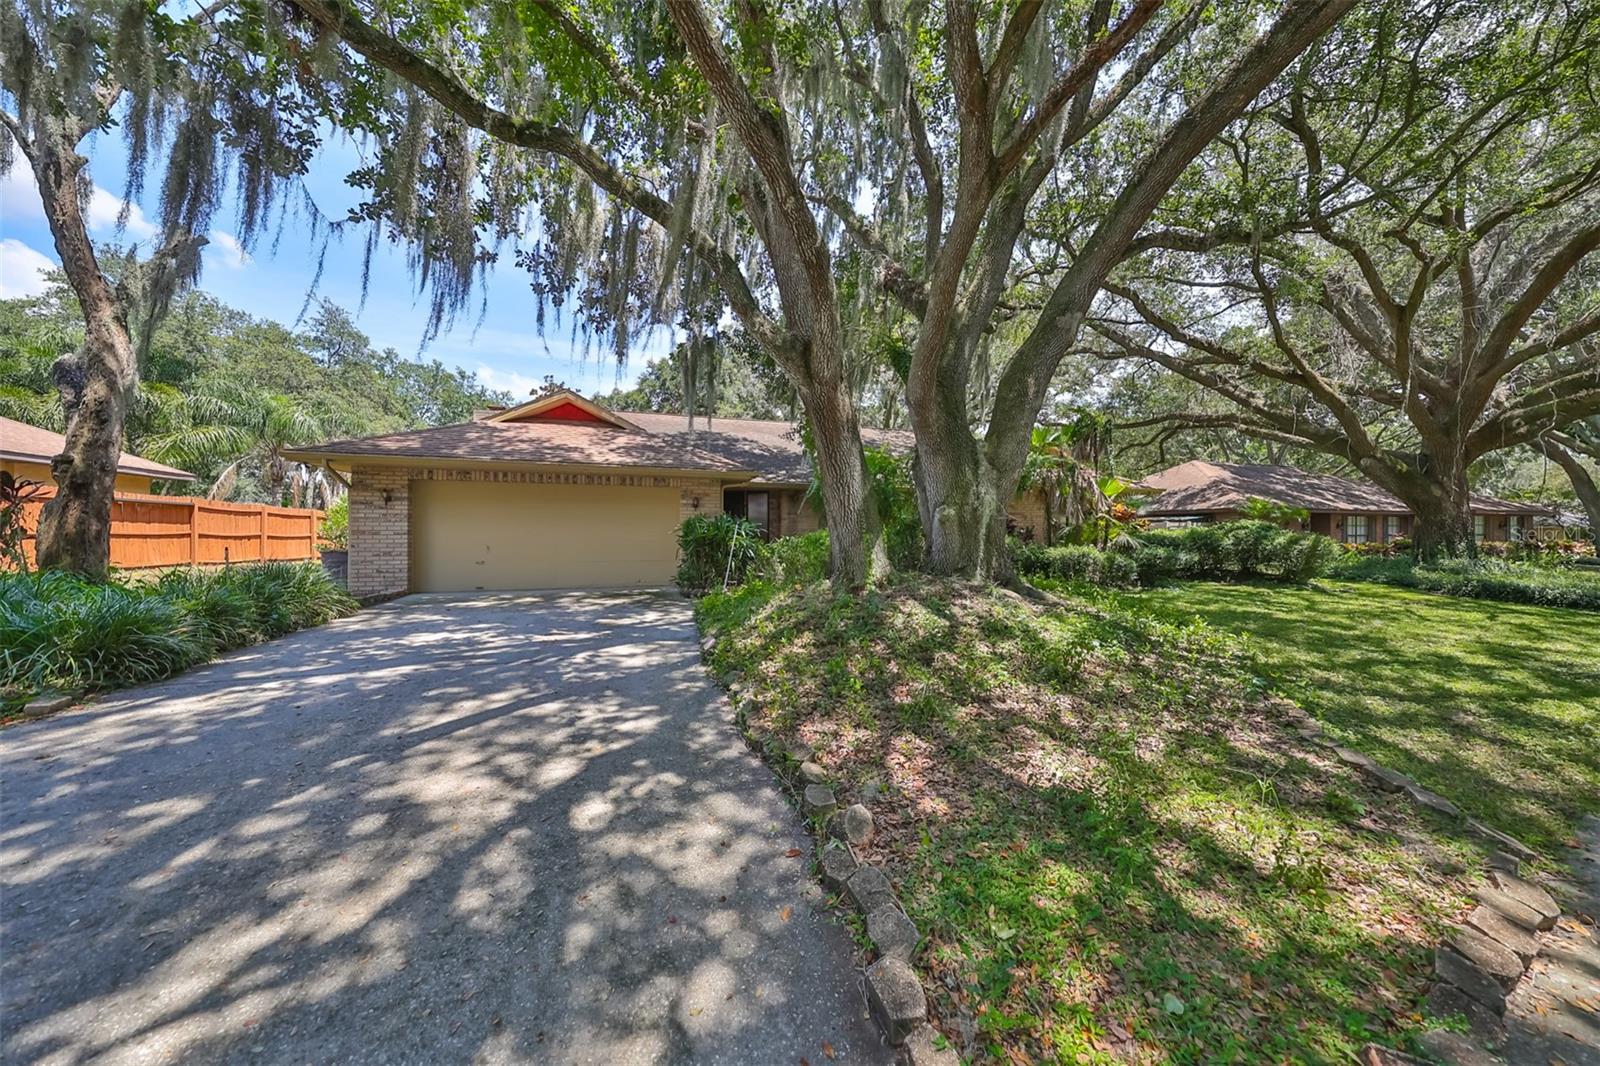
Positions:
{"x": 856, "y": 553}
{"x": 95, "y": 383}
{"x": 1436, "y": 491}
{"x": 1582, "y": 482}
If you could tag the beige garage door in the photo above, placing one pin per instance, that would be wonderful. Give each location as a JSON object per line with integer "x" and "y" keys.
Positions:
{"x": 468, "y": 535}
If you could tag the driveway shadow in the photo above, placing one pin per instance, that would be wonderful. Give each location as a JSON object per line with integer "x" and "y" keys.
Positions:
{"x": 501, "y": 828}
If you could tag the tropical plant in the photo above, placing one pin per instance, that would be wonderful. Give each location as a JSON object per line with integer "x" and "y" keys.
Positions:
{"x": 717, "y": 551}
{"x": 335, "y": 529}
{"x": 1283, "y": 514}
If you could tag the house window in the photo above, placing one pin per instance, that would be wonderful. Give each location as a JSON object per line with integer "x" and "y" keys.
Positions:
{"x": 1391, "y": 527}
{"x": 1480, "y": 527}
{"x": 1514, "y": 527}
{"x": 1356, "y": 529}
{"x": 754, "y": 506}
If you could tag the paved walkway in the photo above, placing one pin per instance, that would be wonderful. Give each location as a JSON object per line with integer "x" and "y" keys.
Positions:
{"x": 510, "y": 828}
{"x": 1554, "y": 1015}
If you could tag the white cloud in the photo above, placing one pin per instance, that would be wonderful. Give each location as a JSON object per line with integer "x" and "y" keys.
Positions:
{"x": 518, "y": 385}
{"x": 22, "y": 270}
{"x": 227, "y": 250}
{"x": 19, "y": 201}
{"x": 104, "y": 208}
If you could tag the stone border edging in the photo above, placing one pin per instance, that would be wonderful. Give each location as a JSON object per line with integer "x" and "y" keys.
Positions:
{"x": 894, "y": 991}
{"x": 1479, "y": 962}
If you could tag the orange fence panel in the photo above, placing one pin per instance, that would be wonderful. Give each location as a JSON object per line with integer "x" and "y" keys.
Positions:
{"x": 160, "y": 531}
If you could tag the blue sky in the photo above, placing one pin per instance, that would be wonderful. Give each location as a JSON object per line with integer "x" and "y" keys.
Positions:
{"x": 271, "y": 280}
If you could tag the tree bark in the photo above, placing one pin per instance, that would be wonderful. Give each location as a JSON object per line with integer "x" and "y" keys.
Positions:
{"x": 95, "y": 383}
{"x": 856, "y": 552}
{"x": 1440, "y": 500}
{"x": 1582, "y": 481}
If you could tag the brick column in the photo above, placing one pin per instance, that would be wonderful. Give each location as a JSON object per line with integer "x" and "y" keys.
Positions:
{"x": 707, "y": 490}
{"x": 380, "y": 532}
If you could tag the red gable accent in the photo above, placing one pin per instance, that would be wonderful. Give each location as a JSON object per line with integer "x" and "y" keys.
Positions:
{"x": 563, "y": 412}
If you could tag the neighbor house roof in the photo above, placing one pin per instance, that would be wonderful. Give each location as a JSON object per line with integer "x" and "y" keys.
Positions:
{"x": 30, "y": 444}
{"x": 1200, "y": 486}
{"x": 540, "y": 443}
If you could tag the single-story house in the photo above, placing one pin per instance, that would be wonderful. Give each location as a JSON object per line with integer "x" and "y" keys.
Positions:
{"x": 26, "y": 451}
{"x": 561, "y": 492}
{"x": 1355, "y": 512}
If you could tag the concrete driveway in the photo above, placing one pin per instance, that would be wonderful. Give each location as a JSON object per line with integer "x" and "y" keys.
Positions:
{"x": 499, "y": 828}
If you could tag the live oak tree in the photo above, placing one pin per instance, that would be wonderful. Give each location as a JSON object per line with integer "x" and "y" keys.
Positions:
{"x": 1576, "y": 449}
{"x": 1392, "y": 259}
{"x": 69, "y": 70}
{"x": 673, "y": 150}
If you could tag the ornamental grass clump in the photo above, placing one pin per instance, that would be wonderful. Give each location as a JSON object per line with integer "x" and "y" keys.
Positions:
{"x": 58, "y": 631}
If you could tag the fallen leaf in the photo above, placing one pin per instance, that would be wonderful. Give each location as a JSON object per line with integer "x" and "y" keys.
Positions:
{"x": 785, "y": 912}
{"x": 792, "y": 853}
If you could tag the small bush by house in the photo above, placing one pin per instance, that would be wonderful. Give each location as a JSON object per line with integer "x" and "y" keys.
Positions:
{"x": 717, "y": 551}
{"x": 1231, "y": 551}
{"x": 58, "y": 631}
{"x": 797, "y": 560}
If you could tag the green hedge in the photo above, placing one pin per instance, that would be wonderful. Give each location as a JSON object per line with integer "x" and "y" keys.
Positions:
{"x": 1076, "y": 562}
{"x": 797, "y": 560}
{"x": 59, "y": 631}
{"x": 1232, "y": 551}
{"x": 1483, "y": 579}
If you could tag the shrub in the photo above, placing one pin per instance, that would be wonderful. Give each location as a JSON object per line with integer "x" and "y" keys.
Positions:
{"x": 717, "y": 551}
{"x": 1076, "y": 562}
{"x": 1483, "y": 579}
{"x": 798, "y": 560}
{"x": 59, "y": 631}
{"x": 335, "y": 529}
{"x": 1232, "y": 551}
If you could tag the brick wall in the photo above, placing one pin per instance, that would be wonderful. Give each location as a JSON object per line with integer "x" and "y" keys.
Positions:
{"x": 1027, "y": 512}
{"x": 380, "y": 531}
{"x": 707, "y": 490}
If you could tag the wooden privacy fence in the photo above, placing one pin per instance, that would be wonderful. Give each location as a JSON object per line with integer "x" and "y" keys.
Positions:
{"x": 151, "y": 531}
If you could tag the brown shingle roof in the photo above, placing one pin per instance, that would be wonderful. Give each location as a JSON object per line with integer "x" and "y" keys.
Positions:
{"x": 30, "y": 444}
{"x": 554, "y": 443}
{"x": 1200, "y": 486}
{"x": 771, "y": 448}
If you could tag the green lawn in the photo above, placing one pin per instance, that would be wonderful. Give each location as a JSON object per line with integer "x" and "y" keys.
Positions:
{"x": 1115, "y": 849}
{"x": 1495, "y": 706}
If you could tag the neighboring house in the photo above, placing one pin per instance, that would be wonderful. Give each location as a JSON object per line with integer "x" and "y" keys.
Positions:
{"x": 26, "y": 451}
{"x": 560, "y": 492}
{"x": 1354, "y": 512}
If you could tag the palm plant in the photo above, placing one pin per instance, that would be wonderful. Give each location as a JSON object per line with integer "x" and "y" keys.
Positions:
{"x": 225, "y": 431}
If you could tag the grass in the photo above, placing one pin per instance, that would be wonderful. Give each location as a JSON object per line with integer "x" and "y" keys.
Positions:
{"x": 58, "y": 631}
{"x": 1114, "y": 845}
{"x": 1496, "y": 706}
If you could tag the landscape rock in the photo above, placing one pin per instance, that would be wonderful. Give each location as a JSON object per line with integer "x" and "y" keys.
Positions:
{"x": 857, "y": 824}
{"x": 1446, "y": 1000}
{"x": 819, "y": 801}
{"x": 1529, "y": 895}
{"x": 895, "y": 996}
{"x": 1378, "y": 1055}
{"x": 1453, "y": 1049}
{"x": 1511, "y": 908}
{"x": 837, "y": 865}
{"x": 893, "y": 934}
{"x": 1499, "y": 860}
{"x": 1387, "y": 779}
{"x": 1505, "y": 840}
{"x": 921, "y": 1049}
{"x": 1351, "y": 757}
{"x": 1493, "y": 958}
{"x": 870, "y": 791}
{"x": 1509, "y": 935}
{"x": 869, "y": 889}
{"x": 1455, "y": 968}
{"x": 812, "y": 774}
{"x": 800, "y": 751}
{"x": 1433, "y": 801}
{"x": 43, "y": 705}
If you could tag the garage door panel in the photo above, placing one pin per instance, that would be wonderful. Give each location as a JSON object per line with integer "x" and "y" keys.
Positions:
{"x": 468, "y": 535}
